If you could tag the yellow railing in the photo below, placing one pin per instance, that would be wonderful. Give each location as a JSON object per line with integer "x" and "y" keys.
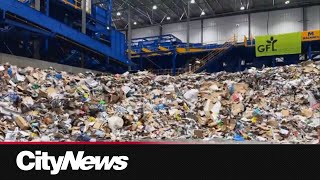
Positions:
{"x": 192, "y": 68}
{"x": 76, "y": 5}
{"x": 211, "y": 55}
{"x": 246, "y": 41}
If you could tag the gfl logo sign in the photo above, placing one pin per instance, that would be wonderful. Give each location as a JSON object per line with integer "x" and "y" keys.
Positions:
{"x": 270, "y": 46}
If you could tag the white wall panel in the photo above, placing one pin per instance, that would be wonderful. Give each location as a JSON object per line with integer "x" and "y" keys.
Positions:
{"x": 177, "y": 29}
{"x": 259, "y": 24}
{"x": 195, "y": 32}
{"x": 220, "y": 30}
{"x": 146, "y": 32}
{"x": 313, "y": 17}
{"x": 285, "y": 21}
{"x": 210, "y": 31}
{"x": 277, "y": 22}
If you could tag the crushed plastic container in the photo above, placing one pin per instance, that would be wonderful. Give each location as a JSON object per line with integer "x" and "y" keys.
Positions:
{"x": 58, "y": 76}
{"x": 238, "y": 137}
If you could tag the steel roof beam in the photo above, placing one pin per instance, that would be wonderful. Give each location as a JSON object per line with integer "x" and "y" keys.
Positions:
{"x": 170, "y": 9}
{"x": 209, "y": 6}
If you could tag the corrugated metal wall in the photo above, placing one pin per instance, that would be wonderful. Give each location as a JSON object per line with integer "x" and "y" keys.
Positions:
{"x": 219, "y": 30}
{"x": 146, "y": 32}
{"x": 177, "y": 29}
{"x": 277, "y": 22}
{"x": 313, "y": 17}
{"x": 195, "y": 32}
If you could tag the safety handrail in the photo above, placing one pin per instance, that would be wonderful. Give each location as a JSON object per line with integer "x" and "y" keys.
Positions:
{"x": 76, "y": 4}
{"x": 194, "y": 67}
{"x": 213, "y": 54}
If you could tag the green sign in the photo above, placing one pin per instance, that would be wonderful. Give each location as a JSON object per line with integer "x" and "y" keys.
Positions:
{"x": 282, "y": 44}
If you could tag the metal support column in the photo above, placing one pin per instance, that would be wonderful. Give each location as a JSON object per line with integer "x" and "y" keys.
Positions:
{"x": 239, "y": 64}
{"x": 83, "y": 27}
{"x": 140, "y": 62}
{"x": 82, "y": 59}
{"x": 249, "y": 21}
{"x": 188, "y": 27}
{"x": 174, "y": 57}
{"x": 304, "y": 18}
{"x": 127, "y": 34}
{"x": 161, "y": 30}
{"x": 46, "y": 44}
{"x": 129, "y": 38}
{"x": 106, "y": 62}
{"x": 309, "y": 52}
{"x": 36, "y": 43}
{"x": 37, "y": 5}
{"x": 47, "y": 4}
{"x": 201, "y": 31}
{"x": 36, "y": 49}
{"x": 84, "y": 17}
{"x": 26, "y": 40}
{"x": 274, "y": 63}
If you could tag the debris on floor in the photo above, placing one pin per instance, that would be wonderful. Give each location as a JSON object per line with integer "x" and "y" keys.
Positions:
{"x": 275, "y": 105}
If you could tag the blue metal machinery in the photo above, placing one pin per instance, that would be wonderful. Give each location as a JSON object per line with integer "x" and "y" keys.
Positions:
{"x": 167, "y": 52}
{"x": 167, "y": 55}
{"x": 53, "y": 33}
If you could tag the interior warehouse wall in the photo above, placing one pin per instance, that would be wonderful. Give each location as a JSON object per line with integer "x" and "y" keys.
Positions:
{"x": 277, "y": 22}
{"x": 146, "y": 32}
{"x": 177, "y": 29}
{"x": 313, "y": 17}
{"x": 195, "y": 32}
{"x": 180, "y": 31}
{"x": 220, "y": 30}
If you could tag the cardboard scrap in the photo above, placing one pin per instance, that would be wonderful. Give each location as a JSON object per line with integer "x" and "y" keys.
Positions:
{"x": 22, "y": 123}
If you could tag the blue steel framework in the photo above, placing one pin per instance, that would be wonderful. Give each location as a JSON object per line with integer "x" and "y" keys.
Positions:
{"x": 160, "y": 54}
{"x": 54, "y": 34}
{"x": 168, "y": 52}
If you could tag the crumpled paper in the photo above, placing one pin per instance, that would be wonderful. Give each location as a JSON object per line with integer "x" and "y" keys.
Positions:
{"x": 276, "y": 105}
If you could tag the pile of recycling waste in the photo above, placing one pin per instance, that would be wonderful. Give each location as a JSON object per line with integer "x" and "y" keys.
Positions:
{"x": 274, "y": 105}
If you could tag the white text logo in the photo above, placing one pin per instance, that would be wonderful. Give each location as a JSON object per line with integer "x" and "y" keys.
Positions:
{"x": 42, "y": 161}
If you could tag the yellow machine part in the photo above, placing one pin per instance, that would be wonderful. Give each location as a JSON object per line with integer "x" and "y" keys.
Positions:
{"x": 161, "y": 48}
{"x": 184, "y": 50}
{"x": 149, "y": 51}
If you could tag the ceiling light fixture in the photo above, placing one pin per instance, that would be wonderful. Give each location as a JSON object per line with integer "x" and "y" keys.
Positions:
{"x": 135, "y": 23}
{"x": 287, "y": 2}
{"x": 193, "y": 1}
{"x": 154, "y": 7}
{"x": 203, "y": 13}
{"x": 242, "y": 8}
{"x": 118, "y": 13}
{"x": 168, "y": 18}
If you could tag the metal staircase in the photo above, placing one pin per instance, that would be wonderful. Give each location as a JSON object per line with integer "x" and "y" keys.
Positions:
{"x": 199, "y": 65}
{"x": 213, "y": 55}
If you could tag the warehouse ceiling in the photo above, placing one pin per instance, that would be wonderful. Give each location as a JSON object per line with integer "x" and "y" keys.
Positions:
{"x": 156, "y": 12}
